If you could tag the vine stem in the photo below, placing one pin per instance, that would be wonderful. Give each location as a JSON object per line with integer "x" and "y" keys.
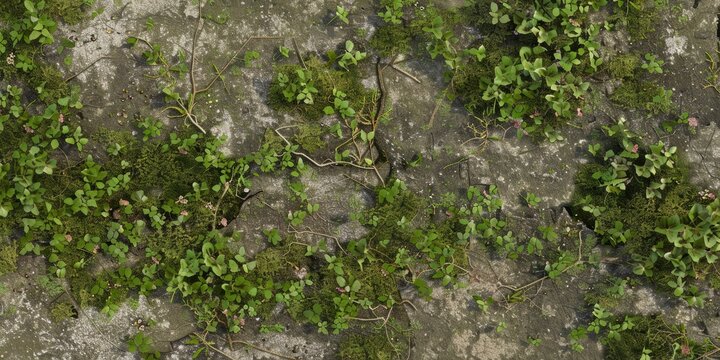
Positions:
{"x": 326, "y": 163}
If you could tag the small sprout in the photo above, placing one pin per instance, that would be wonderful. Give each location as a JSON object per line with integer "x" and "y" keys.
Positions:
{"x": 284, "y": 51}
{"x": 532, "y": 200}
{"x": 483, "y": 303}
{"x": 652, "y": 64}
{"x": 342, "y": 14}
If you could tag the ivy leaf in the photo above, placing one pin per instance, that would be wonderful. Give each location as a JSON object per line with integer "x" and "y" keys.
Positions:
{"x": 4, "y": 210}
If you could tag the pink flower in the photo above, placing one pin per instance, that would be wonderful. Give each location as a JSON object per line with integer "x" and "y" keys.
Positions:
{"x": 223, "y": 222}
{"x": 61, "y": 118}
{"x": 693, "y": 122}
{"x": 579, "y": 112}
{"x": 184, "y": 213}
{"x": 517, "y": 123}
{"x": 635, "y": 149}
{"x": 685, "y": 349}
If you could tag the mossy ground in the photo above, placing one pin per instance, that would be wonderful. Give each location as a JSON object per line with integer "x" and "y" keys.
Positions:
{"x": 325, "y": 78}
{"x": 664, "y": 340}
{"x": 166, "y": 173}
{"x": 8, "y": 258}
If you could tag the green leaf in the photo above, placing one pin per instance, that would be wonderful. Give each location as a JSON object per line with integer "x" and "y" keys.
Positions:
{"x": 30, "y": 6}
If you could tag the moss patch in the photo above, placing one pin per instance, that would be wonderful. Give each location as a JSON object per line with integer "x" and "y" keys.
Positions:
{"x": 665, "y": 341}
{"x": 8, "y": 258}
{"x": 324, "y": 77}
{"x": 644, "y": 95}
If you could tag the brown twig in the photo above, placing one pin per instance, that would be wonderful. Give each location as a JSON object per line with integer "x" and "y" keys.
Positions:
{"x": 226, "y": 186}
{"x": 328, "y": 162}
{"x": 434, "y": 112}
{"x": 381, "y": 89}
{"x": 413, "y": 78}
{"x": 292, "y": 230}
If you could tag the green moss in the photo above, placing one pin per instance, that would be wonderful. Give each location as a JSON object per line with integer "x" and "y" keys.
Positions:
{"x": 324, "y": 78}
{"x": 631, "y": 207}
{"x": 62, "y": 311}
{"x": 8, "y": 258}
{"x": 310, "y": 137}
{"x": 71, "y": 11}
{"x": 154, "y": 167}
{"x": 641, "y": 21}
{"x": 273, "y": 142}
{"x": 280, "y": 262}
{"x": 390, "y": 40}
{"x": 51, "y": 81}
{"x": 50, "y": 286}
{"x": 655, "y": 334}
{"x": 622, "y": 66}
{"x": 172, "y": 242}
{"x": 270, "y": 262}
{"x": 372, "y": 346}
{"x": 643, "y": 95}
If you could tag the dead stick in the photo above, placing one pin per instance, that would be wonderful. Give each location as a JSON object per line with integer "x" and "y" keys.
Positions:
{"x": 405, "y": 73}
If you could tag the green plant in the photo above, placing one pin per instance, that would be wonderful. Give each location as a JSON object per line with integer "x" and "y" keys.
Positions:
{"x": 142, "y": 344}
{"x": 250, "y": 57}
{"x": 501, "y": 327}
{"x": 393, "y": 12}
{"x": 483, "y": 303}
{"x": 532, "y": 200}
{"x": 652, "y": 64}
{"x": 656, "y": 338}
{"x": 342, "y": 14}
{"x": 350, "y": 57}
{"x": 271, "y": 328}
{"x": 534, "y": 341}
{"x": 690, "y": 245}
{"x": 299, "y": 88}
{"x": 151, "y": 127}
